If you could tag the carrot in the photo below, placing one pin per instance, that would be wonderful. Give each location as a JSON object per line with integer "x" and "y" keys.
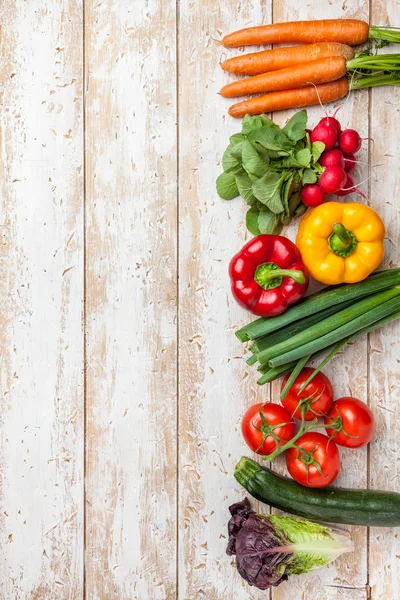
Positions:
{"x": 316, "y": 71}
{"x": 255, "y": 63}
{"x": 307, "y": 96}
{"x": 345, "y": 31}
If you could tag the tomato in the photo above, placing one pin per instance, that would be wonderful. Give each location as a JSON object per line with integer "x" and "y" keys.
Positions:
{"x": 319, "y": 462}
{"x": 255, "y": 428}
{"x": 353, "y": 420}
{"x": 316, "y": 398}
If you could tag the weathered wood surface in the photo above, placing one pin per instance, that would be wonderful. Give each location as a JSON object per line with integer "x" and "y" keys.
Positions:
{"x": 131, "y": 315}
{"x": 41, "y": 279}
{"x": 131, "y": 275}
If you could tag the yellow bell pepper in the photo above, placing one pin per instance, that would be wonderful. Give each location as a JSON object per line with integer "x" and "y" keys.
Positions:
{"x": 341, "y": 243}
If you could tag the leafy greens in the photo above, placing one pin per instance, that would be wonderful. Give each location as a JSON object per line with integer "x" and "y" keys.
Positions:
{"x": 268, "y": 166}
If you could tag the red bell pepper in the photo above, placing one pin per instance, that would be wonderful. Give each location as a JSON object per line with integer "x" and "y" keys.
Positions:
{"x": 268, "y": 275}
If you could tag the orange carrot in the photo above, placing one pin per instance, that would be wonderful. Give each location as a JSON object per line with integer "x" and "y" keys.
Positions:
{"x": 316, "y": 71}
{"x": 345, "y": 31}
{"x": 255, "y": 63}
{"x": 307, "y": 96}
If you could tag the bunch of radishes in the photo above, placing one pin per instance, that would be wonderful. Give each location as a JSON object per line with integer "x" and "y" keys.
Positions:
{"x": 338, "y": 160}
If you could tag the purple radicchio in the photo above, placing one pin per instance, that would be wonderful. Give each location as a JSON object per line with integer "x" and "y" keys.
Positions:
{"x": 269, "y": 548}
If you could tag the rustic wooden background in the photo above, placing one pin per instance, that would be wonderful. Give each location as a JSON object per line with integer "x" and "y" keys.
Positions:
{"x": 116, "y": 478}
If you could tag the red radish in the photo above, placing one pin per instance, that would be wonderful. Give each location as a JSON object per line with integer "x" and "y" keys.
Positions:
{"x": 325, "y": 134}
{"x": 332, "y": 179}
{"x": 332, "y": 158}
{"x": 349, "y": 188}
{"x": 350, "y": 162}
{"x": 349, "y": 141}
{"x": 312, "y": 195}
{"x": 332, "y": 122}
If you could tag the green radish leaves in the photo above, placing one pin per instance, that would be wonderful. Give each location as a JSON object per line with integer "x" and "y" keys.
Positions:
{"x": 226, "y": 186}
{"x": 268, "y": 166}
{"x": 295, "y": 128}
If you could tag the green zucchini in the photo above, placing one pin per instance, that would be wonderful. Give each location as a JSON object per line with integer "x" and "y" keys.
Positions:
{"x": 334, "y": 505}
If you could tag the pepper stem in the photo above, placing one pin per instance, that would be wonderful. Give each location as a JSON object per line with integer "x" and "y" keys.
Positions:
{"x": 342, "y": 241}
{"x": 269, "y": 275}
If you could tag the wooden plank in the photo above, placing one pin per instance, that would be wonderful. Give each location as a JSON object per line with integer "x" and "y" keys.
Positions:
{"x": 347, "y": 371}
{"x": 131, "y": 300}
{"x": 41, "y": 280}
{"x": 384, "y": 568}
{"x": 215, "y": 385}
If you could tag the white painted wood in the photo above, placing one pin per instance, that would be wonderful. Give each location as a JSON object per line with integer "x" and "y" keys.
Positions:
{"x": 215, "y": 386}
{"x": 41, "y": 296}
{"x": 149, "y": 484}
{"x": 131, "y": 300}
{"x": 384, "y": 545}
{"x": 348, "y": 370}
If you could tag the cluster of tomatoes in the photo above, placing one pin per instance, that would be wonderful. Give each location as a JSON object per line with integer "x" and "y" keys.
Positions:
{"x": 338, "y": 160}
{"x": 312, "y": 458}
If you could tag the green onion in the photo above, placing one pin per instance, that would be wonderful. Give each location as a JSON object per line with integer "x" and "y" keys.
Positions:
{"x": 318, "y": 302}
{"x": 345, "y": 341}
{"x": 275, "y": 373}
{"x": 287, "y": 332}
{"x": 293, "y": 376}
{"x": 326, "y": 326}
{"x": 376, "y": 313}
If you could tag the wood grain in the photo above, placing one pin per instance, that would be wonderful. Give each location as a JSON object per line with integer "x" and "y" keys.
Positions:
{"x": 165, "y": 388}
{"x": 41, "y": 279}
{"x": 131, "y": 300}
{"x": 384, "y": 568}
{"x": 214, "y": 386}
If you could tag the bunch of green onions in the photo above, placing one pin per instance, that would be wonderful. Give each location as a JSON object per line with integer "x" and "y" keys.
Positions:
{"x": 321, "y": 324}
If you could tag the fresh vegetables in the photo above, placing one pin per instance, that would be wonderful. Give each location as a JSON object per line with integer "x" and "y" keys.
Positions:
{"x": 312, "y": 458}
{"x": 290, "y": 85}
{"x": 281, "y": 58}
{"x": 270, "y": 548}
{"x": 268, "y": 166}
{"x": 312, "y": 195}
{"x": 307, "y": 400}
{"x": 351, "y": 422}
{"x": 282, "y": 100}
{"x": 322, "y": 323}
{"x": 335, "y": 505}
{"x": 265, "y": 426}
{"x": 315, "y": 461}
{"x": 362, "y": 69}
{"x": 340, "y": 242}
{"x": 346, "y": 31}
{"x": 267, "y": 275}
{"x": 322, "y": 70}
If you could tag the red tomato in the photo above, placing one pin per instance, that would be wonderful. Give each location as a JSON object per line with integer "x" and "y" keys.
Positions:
{"x": 353, "y": 420}
{"x": 316, "y": 398}
{"x": 318, "y": 465}
{"x": 255, "y": 429}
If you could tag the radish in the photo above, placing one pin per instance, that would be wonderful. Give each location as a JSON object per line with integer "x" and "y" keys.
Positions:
{"x": 332, "y": 158}
{"x": 350, "y": 162}
{"x": 332, "y": 179}
{"x": 332, "y": 122}
{"x": 349, "y": 188}
{"x": 312, "y": 195}
{"x": 349, "y": 141}
{"x": 325, "y": 134}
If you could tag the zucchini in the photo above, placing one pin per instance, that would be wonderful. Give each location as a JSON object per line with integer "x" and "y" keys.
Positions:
{"x": 335, "y": 505}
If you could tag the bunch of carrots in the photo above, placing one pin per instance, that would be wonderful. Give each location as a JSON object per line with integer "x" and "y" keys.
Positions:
{"x": 298, "y": 76}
